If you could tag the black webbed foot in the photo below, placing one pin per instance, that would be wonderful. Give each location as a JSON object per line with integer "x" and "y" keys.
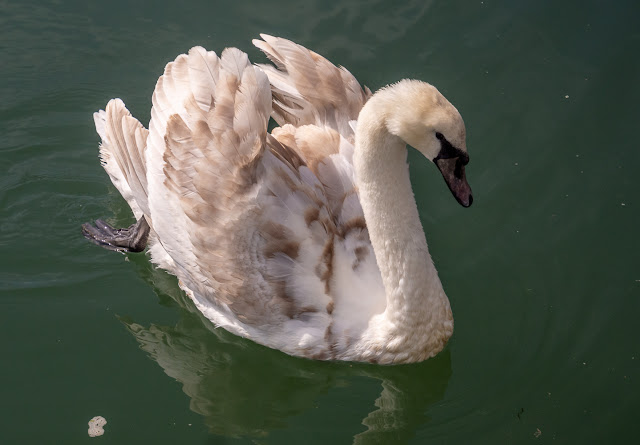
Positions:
{"x": 132, "y": 239}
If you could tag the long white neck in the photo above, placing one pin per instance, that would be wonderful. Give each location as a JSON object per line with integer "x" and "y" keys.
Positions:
{"x": 416, "y": 302}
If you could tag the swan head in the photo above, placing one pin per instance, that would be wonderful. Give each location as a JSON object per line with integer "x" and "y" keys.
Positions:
{"x": 421, "y": 116}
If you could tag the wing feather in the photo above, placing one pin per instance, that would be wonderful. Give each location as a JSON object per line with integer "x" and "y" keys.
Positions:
{"x": 308, "y": 89}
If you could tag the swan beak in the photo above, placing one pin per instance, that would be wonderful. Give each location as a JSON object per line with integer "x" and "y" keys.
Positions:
{"x": 452, "y": 170}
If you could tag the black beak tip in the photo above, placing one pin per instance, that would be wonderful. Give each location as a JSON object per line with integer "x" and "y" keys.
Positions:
{"x": 466, "y": 203}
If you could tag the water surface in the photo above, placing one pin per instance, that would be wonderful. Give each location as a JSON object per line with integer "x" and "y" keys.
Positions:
{"x": 542, "y": 271}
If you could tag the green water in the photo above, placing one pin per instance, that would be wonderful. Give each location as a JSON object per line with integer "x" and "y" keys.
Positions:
{"x": 542, "y": 271}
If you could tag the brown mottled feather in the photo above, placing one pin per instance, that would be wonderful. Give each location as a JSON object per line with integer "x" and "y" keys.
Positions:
{"x": 308, "y": 89}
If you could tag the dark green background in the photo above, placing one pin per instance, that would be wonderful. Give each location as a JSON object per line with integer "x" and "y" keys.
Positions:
{"x": 542, "y": 271}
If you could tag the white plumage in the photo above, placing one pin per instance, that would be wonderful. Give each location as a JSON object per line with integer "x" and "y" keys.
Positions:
{"x": 307, "y": 239}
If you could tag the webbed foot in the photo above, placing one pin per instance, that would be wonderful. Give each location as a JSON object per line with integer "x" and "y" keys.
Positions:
{"x": 132, "y": 239}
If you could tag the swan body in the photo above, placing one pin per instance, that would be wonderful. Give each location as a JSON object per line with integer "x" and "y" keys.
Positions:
{"x": 308, "y": 239}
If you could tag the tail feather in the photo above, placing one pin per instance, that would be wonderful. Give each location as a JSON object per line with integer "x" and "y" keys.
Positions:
{"x": 122, "y": 153}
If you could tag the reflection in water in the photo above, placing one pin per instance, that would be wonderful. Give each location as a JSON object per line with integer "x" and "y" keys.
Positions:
{"x": 243, "y": 389}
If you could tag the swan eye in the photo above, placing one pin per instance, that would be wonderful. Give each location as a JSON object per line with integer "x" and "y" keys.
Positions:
{"x": 439, "y": 135}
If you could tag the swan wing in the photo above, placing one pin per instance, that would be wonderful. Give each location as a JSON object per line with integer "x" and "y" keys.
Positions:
{"x": 240, "y": 218}
{"x": 207, "y": 133}
{"x": 308, "y": 89}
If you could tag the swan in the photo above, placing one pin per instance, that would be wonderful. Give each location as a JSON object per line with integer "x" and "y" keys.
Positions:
{"x": 306, "y": 239}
